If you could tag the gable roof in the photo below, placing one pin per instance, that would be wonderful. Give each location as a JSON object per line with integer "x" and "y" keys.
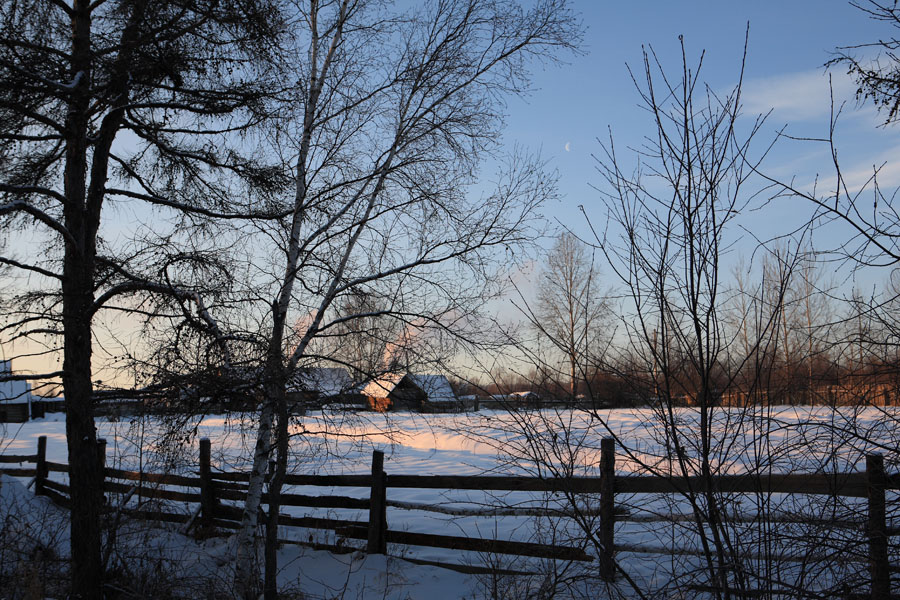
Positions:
{"x": 327, "y": 381}
{"x": 436, "y": 387}
{"x": 383, "y": 386}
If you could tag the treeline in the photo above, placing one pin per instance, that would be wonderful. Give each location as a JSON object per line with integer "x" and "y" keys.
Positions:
{"x": 789, "y": 339}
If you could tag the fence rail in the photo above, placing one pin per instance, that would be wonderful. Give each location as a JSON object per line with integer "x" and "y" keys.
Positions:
{"x": 213, "y": 487}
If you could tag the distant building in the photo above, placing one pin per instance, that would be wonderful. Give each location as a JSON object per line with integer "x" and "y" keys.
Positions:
{"x": 319, "y": 385}
{"x": 512, "y": 401}
{"x": 423, "y": 393}
{"x": 15, "y": 396}
{"x": 526, "y": 398}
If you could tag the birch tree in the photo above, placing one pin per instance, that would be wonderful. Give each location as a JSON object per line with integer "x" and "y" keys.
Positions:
{"x": 396, "y": 111}
{"x": 570, "y": 307}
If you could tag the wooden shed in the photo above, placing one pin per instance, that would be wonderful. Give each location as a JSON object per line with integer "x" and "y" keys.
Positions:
{"x": 398, "y": 391}
{"x": 15, "y": 396}
{"x": 13, "y": 412}
{"x": 314, "y": 386}
{"x": 394, "y": 392}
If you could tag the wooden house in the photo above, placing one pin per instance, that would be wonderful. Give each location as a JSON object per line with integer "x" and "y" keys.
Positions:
{"x": 397, "y": 391}
{"x": 315, "y": 386}
{"x": 15, "y": 396}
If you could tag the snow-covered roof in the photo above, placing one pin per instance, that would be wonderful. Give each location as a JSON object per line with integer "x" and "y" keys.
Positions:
{"x": 327, "y": 381}
{"x": 383, "y": 386}
{"x": 436, "y": 387}
{"x": 515, "y": 397}
{"x": 13, "y": 392}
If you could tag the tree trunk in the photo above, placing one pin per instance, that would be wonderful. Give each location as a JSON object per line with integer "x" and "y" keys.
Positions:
{"x": 573, "y": 376}
{"x": 246, "y": 576}
{"x": 277, "y": 397}
{"x": 77, "y": 301}
{"x": 84, "y": 475}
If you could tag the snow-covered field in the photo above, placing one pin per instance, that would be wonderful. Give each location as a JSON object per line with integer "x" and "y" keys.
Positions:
{"x": 487, "y": 442}
{"x": 781, "y": 439}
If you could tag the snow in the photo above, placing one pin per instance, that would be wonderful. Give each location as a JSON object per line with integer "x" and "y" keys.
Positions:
{"x": 32, "y": 522}
{"x": 780, "y": 439}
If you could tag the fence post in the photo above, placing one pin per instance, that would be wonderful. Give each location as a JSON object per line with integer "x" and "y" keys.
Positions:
{"x": 101, "y": 457}
{"x": 40, "y": 474}
{"x": 207, "y": 492}
{"x": 101, "y": 465}
{"x": 378, "y": 507}
{"x": 877, "y": 528}
{"x": 607, "y": 508}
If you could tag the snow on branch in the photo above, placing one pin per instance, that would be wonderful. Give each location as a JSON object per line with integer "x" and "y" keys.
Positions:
{"x": 43, "y": 217}
{"x": 76, "y": 81}
{"x": 62, "y": 87}
{"x": 27, "y": 267}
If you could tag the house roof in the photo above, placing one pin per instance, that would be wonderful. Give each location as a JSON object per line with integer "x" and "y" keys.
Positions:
{"x": 327, "y": 381}
{"x": 383, "y": 386}
{"x": 436, "y": 387}
{"x": 526, "y": 396}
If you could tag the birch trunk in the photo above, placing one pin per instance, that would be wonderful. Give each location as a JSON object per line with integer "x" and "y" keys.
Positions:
{"x": 274, "y": 375}
{"x": 245, "y": 574}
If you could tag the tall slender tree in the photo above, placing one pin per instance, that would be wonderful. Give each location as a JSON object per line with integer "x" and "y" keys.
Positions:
{"x": 665, "y": 243}
{"x": 103, "y": 105}
{"x": 571, "y": 307}
{"x": 396, "y": 108}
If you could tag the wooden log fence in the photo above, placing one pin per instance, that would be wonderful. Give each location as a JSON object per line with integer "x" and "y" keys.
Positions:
{"x": 607, "y": 509}
{"x": 207, "y": 487}
{"x": 377, "y": 530}
{"x": 213, "y": 487}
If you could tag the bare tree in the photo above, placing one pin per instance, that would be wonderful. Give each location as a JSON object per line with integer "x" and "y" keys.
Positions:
{"x": 668, "y": 224}
{"x": 571, "y": 308}
{"x": 393, "y": 112}
{"x": 865, "y": 208}
{"x": 862, "y": 214}
{"x": 671, "y": 223}
{"x": 878, "y": 78}
{"x": 366, "y": 336}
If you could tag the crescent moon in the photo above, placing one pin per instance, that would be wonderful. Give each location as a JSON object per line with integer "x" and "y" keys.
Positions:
{"x": 568, "y": 146}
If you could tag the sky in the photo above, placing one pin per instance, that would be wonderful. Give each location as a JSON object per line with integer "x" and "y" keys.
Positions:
{"x": 574, "y": 104}
{"x": 789, "y": 42}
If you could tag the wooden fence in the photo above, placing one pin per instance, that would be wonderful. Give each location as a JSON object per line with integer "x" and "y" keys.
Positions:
{"x": 213, "y": 487}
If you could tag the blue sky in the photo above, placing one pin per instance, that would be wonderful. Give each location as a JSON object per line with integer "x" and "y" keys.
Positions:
{"x": 789, "y": 43}
{"x": 574, "y": 104}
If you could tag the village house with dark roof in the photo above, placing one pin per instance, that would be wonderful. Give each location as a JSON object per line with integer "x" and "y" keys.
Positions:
{"x": 407, "y": 391}
{"x": 15, "y": 396}
{"x": 315, "y": 386}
